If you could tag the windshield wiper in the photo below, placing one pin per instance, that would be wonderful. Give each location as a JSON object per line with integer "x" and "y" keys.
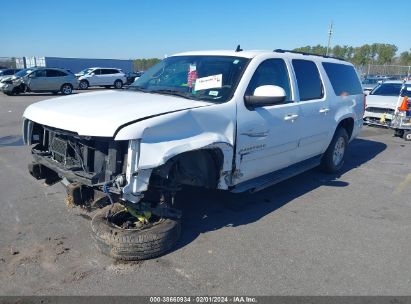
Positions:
{"x": 175, "y": 93}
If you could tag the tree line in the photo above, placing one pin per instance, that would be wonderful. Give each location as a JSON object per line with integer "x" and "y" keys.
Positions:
{"x": 144, "y": 64}
{"x": 376, "y": 53}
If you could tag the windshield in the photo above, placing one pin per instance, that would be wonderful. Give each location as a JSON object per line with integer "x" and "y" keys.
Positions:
{"x": 389, "y": 89}
{"x": 23, "y": 73}
{"x": 211, "y": 78}
{"x": 84, "y": 72}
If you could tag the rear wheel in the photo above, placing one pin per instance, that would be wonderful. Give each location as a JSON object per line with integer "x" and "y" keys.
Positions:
{"x": 66, "y": 89}
{"x": 407, "y": 135}
{"x": 133, "y": 243}
{"x": 118, "y": 84}
{"x": 333, "y": 158}
{"x": 83, "y": 85}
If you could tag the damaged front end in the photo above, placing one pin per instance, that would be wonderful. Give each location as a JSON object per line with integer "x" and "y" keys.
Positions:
{"x": 87, "y": 166}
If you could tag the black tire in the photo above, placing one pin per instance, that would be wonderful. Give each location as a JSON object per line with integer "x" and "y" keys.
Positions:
{"x": 133, "y": 244}
{"x": 332, "y": 160}
{"x": 66, "y": 89}
{"x": 83, "y": 85}
{"x": 118, "y": 84}
{"x": 407, "y": 135}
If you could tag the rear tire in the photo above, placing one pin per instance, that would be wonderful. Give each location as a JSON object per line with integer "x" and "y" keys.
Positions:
{"x": 133, "y": 244}
{"x": 118, "y": 84}
{"x": 407, "y": 135}
{"x": 333, "y": 158}
{"x": 66, "y": 89}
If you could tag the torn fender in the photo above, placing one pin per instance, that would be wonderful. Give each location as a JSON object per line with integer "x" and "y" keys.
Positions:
{"x": 163, "y": 137}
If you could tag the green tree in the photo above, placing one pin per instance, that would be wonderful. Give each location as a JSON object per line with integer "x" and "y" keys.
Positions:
{"x": 405, "y": 58}
{"x": 304, "y": 49}
{"x": 386, "y": 53}
{"x": 145, "y": 63}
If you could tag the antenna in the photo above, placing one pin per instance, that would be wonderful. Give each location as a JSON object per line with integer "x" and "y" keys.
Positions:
{"x": 238, "y": 49}
{"x": 330, "y": 32}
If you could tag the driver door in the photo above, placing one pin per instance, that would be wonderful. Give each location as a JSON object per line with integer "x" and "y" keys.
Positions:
{"x": 267, "y": 137}
{"x": 36, "y": 81}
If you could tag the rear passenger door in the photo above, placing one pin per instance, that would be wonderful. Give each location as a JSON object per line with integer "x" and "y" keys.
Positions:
{"x": 315, "y": 111}
{"x": 108, "y": 76}
{"x": 55, "y": 79}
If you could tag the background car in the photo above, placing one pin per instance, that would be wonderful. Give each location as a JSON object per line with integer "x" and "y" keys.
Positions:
{"x": 104, "y": 77}
{"x": 368, "y": 84}
{"x": 382, "y": 100}
{"x": 40, "y": 80}
{"x": 7, "y": 73}
{"x": 133, "y": 76}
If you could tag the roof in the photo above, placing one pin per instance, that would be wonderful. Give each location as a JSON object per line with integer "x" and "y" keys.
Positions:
{"x": 253, "y": 53}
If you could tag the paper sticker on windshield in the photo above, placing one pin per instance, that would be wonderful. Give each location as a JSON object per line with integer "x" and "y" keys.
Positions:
{"x": 213, "y": 93}
{"x": 209, "y": 82}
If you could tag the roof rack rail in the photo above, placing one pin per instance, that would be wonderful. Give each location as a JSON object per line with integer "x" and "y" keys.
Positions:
{"x": 308, "y": 54}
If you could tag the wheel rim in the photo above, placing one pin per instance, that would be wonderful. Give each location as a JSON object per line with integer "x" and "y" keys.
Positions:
{"x": 66, "y": 89}
{"x": 339, "y": 151}
{"x": 408, "y": 136}
{"x": 83, "y": 85}
{"x": 118, "y": 84}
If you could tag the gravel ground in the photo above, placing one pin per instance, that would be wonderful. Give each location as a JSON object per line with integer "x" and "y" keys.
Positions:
{"x": 314, "y": 234}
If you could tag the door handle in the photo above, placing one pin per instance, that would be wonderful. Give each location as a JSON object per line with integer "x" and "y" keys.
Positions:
{"x": 290, "y": 117}
{"x": 324, "y": 110}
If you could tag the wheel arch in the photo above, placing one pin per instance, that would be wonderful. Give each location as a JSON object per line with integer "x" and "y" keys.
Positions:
{"x": 348, "y": 124}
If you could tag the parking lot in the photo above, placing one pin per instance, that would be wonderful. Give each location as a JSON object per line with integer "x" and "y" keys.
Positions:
{"x": 314, "y": 234}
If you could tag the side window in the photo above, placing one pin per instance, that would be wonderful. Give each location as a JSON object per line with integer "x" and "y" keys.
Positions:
{"x": 40, "y": 73}
{"x": 114, "y": 71}
{"x": 308, "y": 79}
{"x": 97, "y": 72}
{"x": 55, "y": 73}
{"x": 108, "y": 71}
{"x": 343, "y": 78}
{"x": 271, "y": 72}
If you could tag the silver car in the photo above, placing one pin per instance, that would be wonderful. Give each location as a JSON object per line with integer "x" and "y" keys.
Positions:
{"x": 40, "y": 80}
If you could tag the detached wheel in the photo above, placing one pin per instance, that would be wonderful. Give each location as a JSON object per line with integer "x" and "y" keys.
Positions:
{"x": 118, "y": 84}
{"x": 83, "y": 85}
{"x": 66, "y": 89}
{"x": 333, "y": 158}
{"x": 407, "y": 135}
{"x": 135, "y": 243}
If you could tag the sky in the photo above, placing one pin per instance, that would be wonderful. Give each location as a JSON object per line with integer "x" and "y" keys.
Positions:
{"x": 130, "y": 29}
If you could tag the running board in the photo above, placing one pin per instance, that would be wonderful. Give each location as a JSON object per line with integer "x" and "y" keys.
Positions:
{"x": 265, "y": 181}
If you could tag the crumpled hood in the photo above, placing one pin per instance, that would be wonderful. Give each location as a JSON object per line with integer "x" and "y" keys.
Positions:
{"x": 102, "y": 113}
{"x": 379, "y": 101}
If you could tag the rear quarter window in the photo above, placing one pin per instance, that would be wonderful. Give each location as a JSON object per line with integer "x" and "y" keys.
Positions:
{"x": 308, "y": 79}
{"x": 343, "y": 78}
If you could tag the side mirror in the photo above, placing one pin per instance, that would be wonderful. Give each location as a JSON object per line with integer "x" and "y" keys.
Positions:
{"x": 32, "y": 75}
{"x": 92, "y": 74}
{"x": 266, "y": 95}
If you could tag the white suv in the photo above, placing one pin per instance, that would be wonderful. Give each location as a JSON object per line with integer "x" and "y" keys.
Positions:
{"x": 230, "y": 120}
{"x": 104, "y": 77}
